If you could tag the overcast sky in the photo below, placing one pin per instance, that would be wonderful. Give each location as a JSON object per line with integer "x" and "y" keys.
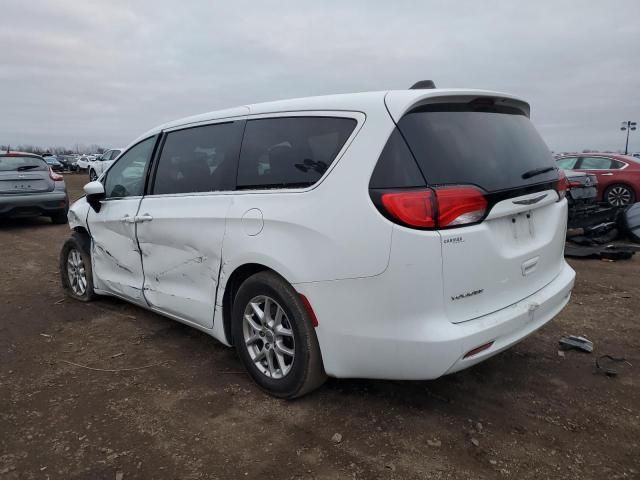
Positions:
{"x": 79, "y": 71}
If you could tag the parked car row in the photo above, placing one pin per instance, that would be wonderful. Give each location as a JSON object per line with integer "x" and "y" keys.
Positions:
{"x": 104, "y": 161}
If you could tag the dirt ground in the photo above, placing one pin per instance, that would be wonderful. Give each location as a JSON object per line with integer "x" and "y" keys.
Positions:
{"x": 527, "y": 413}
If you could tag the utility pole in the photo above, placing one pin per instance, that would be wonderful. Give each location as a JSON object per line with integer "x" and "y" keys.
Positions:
{"x": 628, "y": 126}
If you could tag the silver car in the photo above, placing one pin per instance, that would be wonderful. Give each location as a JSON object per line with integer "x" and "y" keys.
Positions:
{"x": 29, "y": 187}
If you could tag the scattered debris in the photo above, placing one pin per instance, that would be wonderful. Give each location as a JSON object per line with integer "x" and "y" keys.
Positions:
{"x": 60, "y": 301}
{"x": 46, "y": 335}
{"x": 119, "y": 475}
{"x": 575, "y": 342}
{"x": 114, "y": 370}
{"x": 603, "y": 364}
{"x": 434, "y": 443}
{"x": 390, "y": 466}
{"x": 117, "y": 355}
{"x": 560, "y": 353}
{"x": 337, "y": 438}
{"x": 475, "y": 442}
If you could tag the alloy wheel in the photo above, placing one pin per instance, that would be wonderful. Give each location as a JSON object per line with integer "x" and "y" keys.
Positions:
{"x": 268, "y": 337}
{"x": 76, "y": 272}
{"x": 619, "y": 196}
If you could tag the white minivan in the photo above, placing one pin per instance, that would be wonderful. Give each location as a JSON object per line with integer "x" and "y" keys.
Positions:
{"x": 392, "y": 235}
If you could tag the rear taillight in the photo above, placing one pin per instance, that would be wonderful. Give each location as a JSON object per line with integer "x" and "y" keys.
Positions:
{"x": 460, "y": 206}
{"x": 56, "y": 177}
{"x": 436, "y": 208}
{"x": 415, "y": 208}
{"x": 562, "y": 185}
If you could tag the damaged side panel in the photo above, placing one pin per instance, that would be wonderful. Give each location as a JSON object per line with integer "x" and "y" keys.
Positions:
{"x": 181, "y": 253}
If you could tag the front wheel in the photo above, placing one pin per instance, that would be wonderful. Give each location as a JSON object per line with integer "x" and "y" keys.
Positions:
{"x": 274, "y": 337}
{"x": 93, "y": 176}
{"x": 619, "y": 195}
{"x": 75, "y": 268}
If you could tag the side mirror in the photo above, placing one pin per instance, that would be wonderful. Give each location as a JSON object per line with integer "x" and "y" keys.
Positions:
{"x": 95, "y": 193}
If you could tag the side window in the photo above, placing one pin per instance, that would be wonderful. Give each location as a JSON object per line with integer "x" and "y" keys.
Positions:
{"x": 126, "y": 177}
{"x": 567, "y": 163}
{"x": 105, "y": 156}
{"x": 199, "y": 159}
{"x": 616, "y": 165}
{"x": 595, "y": 163}
{"x": 396, "y": 167}
{"x": 290, "y": 152}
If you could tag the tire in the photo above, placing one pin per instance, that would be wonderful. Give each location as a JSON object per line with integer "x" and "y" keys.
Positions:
{"x": 619, "y": 195}
{"x": 59, "y": 218}
{"x": 93, "y": 176}
{"x": 69, "y": 261}
{"x": 285, "y": 376}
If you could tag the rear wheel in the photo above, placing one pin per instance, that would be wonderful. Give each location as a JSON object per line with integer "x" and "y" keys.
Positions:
{"x": 619, "y": 195}
{"x": 75, "y": 268}
{"x": 274, "y": 337}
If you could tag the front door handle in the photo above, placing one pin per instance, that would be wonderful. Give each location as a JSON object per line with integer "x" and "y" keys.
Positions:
{"x": 606, "y": 174}
{"x": 128, "y": 219}
{"x": 144, "y": 218}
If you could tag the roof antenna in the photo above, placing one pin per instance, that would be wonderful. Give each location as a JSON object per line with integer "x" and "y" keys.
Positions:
{"x": 423, "y": 84}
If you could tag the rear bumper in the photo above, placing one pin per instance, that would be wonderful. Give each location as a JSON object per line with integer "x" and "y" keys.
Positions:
{"x": 389, "y": 343}
{"x": 33, "y": 204}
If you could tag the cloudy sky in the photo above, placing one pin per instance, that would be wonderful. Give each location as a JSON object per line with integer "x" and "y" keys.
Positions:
{"x": 80, "y": 71}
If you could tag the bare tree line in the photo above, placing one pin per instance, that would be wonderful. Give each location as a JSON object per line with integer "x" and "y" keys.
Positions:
{"x": 57, "y": 150}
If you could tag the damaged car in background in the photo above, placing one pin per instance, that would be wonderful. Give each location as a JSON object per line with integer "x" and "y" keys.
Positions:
{"x": 598, "y": 229}
{"x": 361, "y": 235}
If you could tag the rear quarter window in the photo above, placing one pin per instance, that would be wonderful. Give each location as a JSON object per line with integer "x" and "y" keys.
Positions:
{"x": 290, "y": 152}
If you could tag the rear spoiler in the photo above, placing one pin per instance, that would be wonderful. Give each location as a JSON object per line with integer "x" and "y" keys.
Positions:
{"x": 399, "y": 102}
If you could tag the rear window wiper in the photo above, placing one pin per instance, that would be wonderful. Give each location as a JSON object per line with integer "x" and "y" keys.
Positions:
{"x": 537, "y": 171}
{"x": 22, "y": 168}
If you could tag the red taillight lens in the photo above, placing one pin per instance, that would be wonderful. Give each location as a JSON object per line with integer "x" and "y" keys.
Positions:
{"x": 56, "y": 177}
{"x": 440, "y": 207}
{"x": 307, "y": 305}
{"x": 460, "y": 206}
{"x": 413, "y": 208}
{"x": 562, "y": 185}
{"x": 477, "y": 350}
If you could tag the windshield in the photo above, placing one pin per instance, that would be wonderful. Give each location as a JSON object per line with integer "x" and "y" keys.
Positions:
{"x": 16, "y": 164}
{"x": 495, "y": 148}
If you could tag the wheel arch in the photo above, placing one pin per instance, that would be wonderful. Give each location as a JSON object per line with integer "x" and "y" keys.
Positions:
{"x": 231, "y": 286}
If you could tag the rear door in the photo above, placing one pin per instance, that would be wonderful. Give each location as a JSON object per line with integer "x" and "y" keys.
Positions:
{"x": 605, "y": 169}
{"x": 518, "y": 248}
{"x": 182, "y": 221}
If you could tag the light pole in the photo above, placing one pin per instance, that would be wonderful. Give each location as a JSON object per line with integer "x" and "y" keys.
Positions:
{"x": 628, "y": 126}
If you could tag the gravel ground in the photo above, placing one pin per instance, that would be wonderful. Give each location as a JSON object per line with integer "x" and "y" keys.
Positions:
{"x": 526, "y": 413}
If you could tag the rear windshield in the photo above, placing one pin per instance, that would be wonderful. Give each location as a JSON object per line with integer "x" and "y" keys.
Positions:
{"x": 495, "y": 148}
{"x": 18, "y": 164}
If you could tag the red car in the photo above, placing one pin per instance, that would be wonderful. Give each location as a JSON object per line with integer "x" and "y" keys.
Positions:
{"x": 618, "y": 175}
